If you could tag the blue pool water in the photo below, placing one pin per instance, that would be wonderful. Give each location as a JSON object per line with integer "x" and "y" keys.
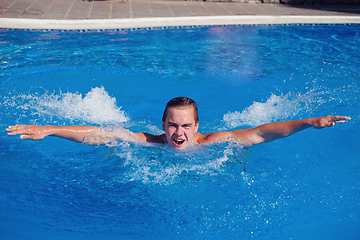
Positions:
{"x": 302, "y": 187}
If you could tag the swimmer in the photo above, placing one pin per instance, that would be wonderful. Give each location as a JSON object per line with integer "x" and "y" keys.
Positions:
{"x": 180, "y": 122}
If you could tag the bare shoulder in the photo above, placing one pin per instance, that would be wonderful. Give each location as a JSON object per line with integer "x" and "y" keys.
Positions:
{"x": 212, "y": 137}
{"x": 147, "y": 137}
{"x": 245, "y": 136}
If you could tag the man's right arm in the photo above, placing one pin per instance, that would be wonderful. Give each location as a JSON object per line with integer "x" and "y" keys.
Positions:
{"x": 35, "y": 132}
{"x": 85, "y": 134}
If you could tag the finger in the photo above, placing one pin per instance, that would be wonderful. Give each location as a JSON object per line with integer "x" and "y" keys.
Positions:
{"x": 13, "y": 131}
{"x": 340, "y": 119}
{"x": 17, "y": 129}
{"x": 11, "y": 128}
{"x": 26, "y": 136}
{"x": 18, "y": 126}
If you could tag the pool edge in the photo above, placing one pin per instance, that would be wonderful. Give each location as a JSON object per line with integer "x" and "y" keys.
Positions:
{"x": 93, "y": 24}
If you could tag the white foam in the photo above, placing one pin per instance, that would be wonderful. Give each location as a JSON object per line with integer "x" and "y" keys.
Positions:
{"x": 163, "y": 165}
{"x": 276, "y": 108}
{"x": 97, "y": 107}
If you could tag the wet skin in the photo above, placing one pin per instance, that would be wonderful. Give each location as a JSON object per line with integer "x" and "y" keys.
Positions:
{"x": 180, "y": 127}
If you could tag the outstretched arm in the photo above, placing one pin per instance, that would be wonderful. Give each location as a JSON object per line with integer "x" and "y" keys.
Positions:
{"x": 272, "y": 131}
{"x": 85, "y": 134}
{"x": 35, "y": 132}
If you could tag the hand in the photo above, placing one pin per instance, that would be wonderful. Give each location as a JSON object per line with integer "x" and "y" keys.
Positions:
{"x": 33, "y": 132}
{"x": 328, "y": 121}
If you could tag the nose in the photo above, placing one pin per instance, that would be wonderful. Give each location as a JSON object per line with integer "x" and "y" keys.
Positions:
{"x": 179, "y": 131}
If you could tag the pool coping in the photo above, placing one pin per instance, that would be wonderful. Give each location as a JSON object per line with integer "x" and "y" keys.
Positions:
{"x": 36, "y": 24}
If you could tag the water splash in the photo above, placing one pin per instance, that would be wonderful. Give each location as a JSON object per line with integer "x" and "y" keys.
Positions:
{"x": 97, "y": 107}
{"x": 161, "y": 165}
{"x": 276, "y": 108}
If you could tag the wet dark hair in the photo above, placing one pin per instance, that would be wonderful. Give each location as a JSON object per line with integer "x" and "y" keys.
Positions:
{"x": 180, "y": 102}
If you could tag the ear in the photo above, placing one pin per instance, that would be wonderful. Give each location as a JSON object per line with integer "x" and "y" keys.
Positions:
{"x": 196, "y": 126}
{"x": 163, "y": 126}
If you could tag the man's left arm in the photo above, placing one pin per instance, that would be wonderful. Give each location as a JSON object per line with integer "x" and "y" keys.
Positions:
{"x": 272, "y": 131}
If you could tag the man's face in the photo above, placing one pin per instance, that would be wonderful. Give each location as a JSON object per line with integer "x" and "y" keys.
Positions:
{"x": 180, "y": 127}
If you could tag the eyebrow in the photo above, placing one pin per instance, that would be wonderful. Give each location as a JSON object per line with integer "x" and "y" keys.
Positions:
{"x": 185, "y": 124}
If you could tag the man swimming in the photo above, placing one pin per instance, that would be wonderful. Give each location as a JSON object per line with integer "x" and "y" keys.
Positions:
{"x": 180, "y": 122}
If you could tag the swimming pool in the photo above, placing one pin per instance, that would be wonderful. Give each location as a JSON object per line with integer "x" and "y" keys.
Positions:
{"x": 302, "y": 187}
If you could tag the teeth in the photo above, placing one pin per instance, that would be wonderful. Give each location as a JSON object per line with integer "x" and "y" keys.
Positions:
{"x": 179, "y": 141}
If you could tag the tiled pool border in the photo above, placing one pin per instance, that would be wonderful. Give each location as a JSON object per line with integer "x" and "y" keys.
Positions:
{"x": 164, "y": 23}
{"x": 172, "y": 27}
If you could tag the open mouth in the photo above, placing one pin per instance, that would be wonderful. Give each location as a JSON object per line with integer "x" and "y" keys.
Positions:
{"x": 178, "y": 142}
